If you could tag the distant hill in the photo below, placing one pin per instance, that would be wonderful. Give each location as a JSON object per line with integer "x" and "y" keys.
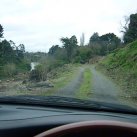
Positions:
{"x": 121, "y": 65}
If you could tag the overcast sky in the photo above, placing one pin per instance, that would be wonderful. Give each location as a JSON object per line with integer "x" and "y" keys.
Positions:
{"x": 39, "y": 24}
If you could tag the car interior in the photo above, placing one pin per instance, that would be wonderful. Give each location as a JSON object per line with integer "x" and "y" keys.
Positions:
{"x": 20, "y": 120}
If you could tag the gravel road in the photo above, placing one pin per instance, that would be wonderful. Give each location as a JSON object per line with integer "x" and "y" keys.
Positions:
{"x": 71, "y": 88}
{"x": 103, "y": 88}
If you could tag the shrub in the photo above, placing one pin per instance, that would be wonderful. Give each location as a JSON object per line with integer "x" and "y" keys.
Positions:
{"x": 46, "y": 65}
{"x": 39, "y": 73}
{"x": 9, "y": 69}
{"x": 23, "y": 66}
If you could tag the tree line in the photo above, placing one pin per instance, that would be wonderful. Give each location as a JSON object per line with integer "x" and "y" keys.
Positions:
{"x": 11, "y": 56}
{"x": 97, "y": 45}
{"x": 71, "y": 52}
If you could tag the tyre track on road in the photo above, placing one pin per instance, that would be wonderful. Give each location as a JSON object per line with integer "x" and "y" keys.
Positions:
{"x": 71, "y": 88}
{"x": 103, "y": 88}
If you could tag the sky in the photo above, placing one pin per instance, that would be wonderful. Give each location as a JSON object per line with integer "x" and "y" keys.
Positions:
{"x": 39, "y": 24}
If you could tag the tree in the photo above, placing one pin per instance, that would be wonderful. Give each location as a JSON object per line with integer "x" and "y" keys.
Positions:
{"x": 13, "y": 45}
{"x": 110, "y": 41}
{"x": 6, "y": 52}
{"x": 82, "y": 40}
{"x": 20, "y": 50}
{"x": 69, "y": 44}
{"x": 94, "y": 38}
{"x": 1, "y": 31}
{"x": 83, "y": 54}
{"x": 94, "y": 43}
{"x": 53, "y": 49}
{"x": 102, "y": 45}
{"x": 130, "y": 33}
{"x": 124, "y": 27}
{"x": 11, "y": 57}
{"x": 110, "y": 38}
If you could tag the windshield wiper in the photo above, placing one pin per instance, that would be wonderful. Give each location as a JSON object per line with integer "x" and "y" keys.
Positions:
{"x": 68, "y": 102}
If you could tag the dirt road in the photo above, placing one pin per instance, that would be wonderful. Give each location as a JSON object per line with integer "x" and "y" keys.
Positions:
{"x": 104, "y": 89}
{"x": 71, "y": 88}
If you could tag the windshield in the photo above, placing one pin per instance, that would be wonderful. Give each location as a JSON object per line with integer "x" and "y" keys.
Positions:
{"x": 80, "y": 49}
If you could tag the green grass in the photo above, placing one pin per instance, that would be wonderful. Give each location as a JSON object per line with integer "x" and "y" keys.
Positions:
{"x": 121, "y": 65}
{"x": 124, "y": 58}
{"x": 63, "y": 78}
{"x": 85, "y": 88}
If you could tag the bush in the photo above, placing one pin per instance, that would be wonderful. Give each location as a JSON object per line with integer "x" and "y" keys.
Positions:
{"x": 23, "y": 66}
{"x": 9, "y": 69}
{"x": 77, "y": 59}
{"x": 83, "y": 55}
{"x": 41, "y": 71}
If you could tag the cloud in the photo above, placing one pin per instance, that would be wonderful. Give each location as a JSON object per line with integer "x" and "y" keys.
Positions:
{"x": 39, "y": 24}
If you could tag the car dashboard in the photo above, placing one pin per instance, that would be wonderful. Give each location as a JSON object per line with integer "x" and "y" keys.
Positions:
{"x": 29, "y": 120}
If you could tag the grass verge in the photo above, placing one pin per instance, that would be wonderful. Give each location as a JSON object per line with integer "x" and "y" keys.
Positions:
{"x": 121, "y": 66}
{"x": 85, "y": 88}
{"x": 63, "y": 78}
{"x": 59, "y": 77}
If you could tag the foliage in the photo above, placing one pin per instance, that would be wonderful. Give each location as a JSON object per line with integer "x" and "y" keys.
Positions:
{"x": 83, "y": 54}
{"x": 130, "y": 33}
{"x": 53, "y": 49}
{"x": 71, "y": 52}
{"x": 40, "y": 73}
{"x": 23, "y": 66}
{"x": 6, "y": 52}
{"x": 11, "y": 57}
{"x": 102, "y": 45}
{"x": 82, "y": 40}
{"x": 69, "y": 44}
{"x": 125, "y": 57}
{"x": 34, "y": 56}
{"x": 1, "y": 31}
{"x": 122, "y": 64}
{"x": 62, "y": 76}
{"x": 9, "y": 69}
{"x": 58, "y": 53}
{"x": 46, "y": 65}
{"x": 94, "y": 38}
